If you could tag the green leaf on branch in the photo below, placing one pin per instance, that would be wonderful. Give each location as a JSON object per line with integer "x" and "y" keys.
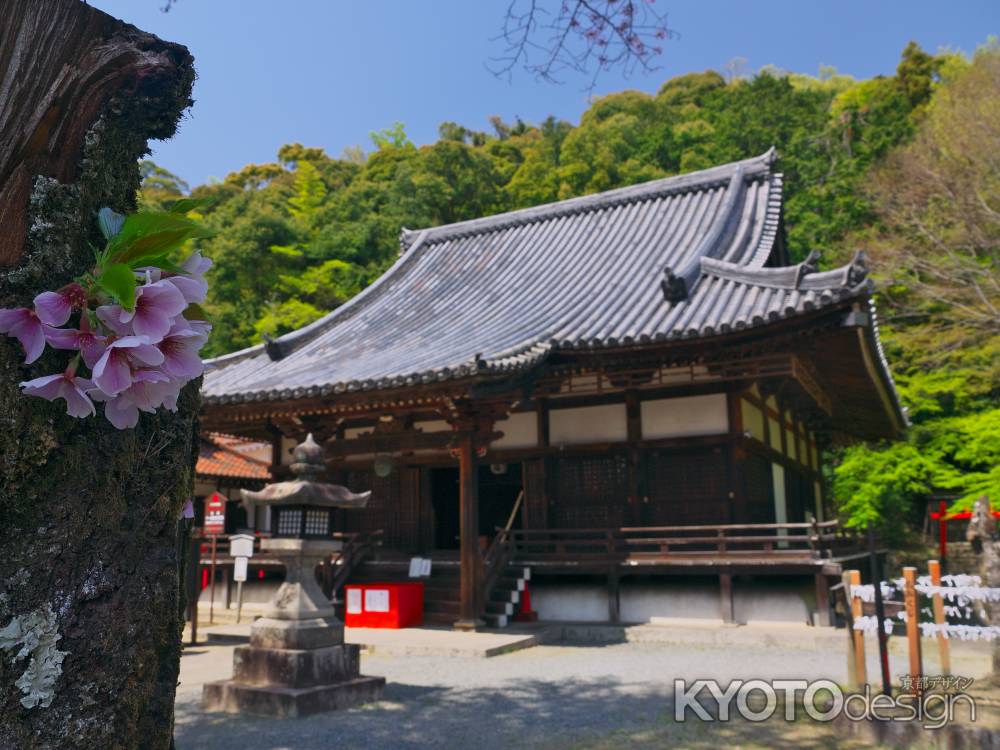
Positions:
{"x": 147, "y": 235}
{"x": 118, "y": 280}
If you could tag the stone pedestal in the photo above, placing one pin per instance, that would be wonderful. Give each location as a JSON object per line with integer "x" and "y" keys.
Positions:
{"x": 297, "y": 662}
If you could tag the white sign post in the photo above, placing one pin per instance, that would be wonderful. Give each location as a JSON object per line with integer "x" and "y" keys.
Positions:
{"x": 241, "y": 548}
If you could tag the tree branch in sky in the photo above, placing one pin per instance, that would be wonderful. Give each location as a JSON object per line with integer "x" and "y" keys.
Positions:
{"x": 587, "y": 37}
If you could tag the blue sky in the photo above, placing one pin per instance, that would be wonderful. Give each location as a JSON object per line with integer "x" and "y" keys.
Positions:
{"x": 327, "y": 72}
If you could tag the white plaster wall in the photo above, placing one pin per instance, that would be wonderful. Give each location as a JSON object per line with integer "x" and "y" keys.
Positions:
{"x": 753, "y": 419}
{"x": 569, "y": 602}
{"x": 588, "y": 424}
{"x": 775, "y": 432}
{"x": 780, "y": 504}
{"x": 685, "y": 416}
{"x": 790, "y": 444}
{"x": 773, "y": 600}
{"x": 520, "y": 430}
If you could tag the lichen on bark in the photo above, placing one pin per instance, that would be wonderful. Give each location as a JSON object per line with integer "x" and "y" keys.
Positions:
{"x": 34, "y": 638}
{"x": 89, "y": 530}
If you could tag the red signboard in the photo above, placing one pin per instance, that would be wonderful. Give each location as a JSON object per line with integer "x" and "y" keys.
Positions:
{"x": 215, "y": 514}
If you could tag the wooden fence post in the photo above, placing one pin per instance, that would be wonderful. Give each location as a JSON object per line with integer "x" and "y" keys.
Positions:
{"x": 944, "y": 648}
{"x": 852, "y": 579}
{"x": 912, "y": 624}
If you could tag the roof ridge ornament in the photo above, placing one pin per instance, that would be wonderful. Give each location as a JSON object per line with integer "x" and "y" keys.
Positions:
{"x": 677, "y": 286}
{"x": 806, "y": 267}
{"x": 857, "y": 270}
{"x": 674, "y": 287}
{"x": 272, "y": 346}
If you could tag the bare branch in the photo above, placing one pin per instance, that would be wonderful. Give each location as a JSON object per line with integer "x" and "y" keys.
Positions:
{"x": 587, "y": 37}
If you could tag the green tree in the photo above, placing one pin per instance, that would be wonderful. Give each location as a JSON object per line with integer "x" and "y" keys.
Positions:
{"x": 937, "y": 249}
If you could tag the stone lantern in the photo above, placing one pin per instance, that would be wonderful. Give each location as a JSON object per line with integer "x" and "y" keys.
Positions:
{"x": 297, "y": 662}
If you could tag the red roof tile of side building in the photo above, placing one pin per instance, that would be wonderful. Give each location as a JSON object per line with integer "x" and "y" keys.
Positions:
{"x": 229, "y": 456}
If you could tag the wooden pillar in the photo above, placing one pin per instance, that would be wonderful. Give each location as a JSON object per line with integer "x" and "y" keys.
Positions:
{"x": 737, "y": 459}
{"x": 822, "y": 600}
{"x": 614, "y": 596}
{"x": 934, "y": 567}
{"x": 913, "y": 625}
{"x": 726, "y": 598}
{"x": 636, "y": 495}
{"x": 469, "y": 532}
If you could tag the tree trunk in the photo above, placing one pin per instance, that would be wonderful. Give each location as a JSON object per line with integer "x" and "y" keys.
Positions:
{"x": 88, "y": 513}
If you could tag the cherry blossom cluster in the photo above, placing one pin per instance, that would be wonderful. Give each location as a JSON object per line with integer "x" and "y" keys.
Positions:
{"x": 133, "y": 324}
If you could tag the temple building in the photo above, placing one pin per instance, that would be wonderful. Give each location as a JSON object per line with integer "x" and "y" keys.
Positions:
{"x": 609, "y": 395}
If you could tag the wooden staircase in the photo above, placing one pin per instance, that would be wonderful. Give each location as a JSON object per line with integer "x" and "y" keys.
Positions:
{"x": 505, "y": 596}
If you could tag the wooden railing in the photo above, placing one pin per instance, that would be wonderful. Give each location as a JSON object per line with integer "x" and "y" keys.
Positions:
{"x": 356, "y": 547}
{"x": 808, "y": 540}
{"x": 498, "y": 553}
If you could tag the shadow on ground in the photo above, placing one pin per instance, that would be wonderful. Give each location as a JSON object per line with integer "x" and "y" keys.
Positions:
{"x": 581, "y": 714}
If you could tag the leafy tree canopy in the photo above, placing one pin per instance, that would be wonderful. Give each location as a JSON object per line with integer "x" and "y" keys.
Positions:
{"x": 904, "y": 165}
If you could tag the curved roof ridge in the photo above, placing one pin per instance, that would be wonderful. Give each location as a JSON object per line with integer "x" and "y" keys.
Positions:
{"x": 802, "y": 276}
{"x": 678, "y": 286}
{"x": 757, "y": 166}
{"x": 772, "y": 221}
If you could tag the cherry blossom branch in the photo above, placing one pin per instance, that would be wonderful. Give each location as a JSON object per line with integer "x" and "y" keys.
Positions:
{"x": 588, "y": 37}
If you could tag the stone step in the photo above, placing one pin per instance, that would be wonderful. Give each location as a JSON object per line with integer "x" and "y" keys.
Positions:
{"x": 499, "y": 608}
{"x": 495, "y": 620}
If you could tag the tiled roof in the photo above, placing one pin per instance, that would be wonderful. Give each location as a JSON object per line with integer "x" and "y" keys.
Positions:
{"x": 670, "y": 259}
{"x": 232, "y": 457}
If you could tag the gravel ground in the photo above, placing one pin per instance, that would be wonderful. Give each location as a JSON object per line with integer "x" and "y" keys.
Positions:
{"x": 608, "y": 696}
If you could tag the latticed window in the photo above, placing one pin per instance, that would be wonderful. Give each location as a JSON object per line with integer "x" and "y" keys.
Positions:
{"x": 317, "y": 523}
{"x": 289, "y": 522}
{"x": 303, "y": 522}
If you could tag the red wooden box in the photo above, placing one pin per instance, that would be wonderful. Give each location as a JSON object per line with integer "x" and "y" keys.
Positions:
{"x": 384, "y": 605}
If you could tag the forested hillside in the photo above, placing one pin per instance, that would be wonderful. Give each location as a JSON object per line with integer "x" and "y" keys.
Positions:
{"x": 905, "y": 166}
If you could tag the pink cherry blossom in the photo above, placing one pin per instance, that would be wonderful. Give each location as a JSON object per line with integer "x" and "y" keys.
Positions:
{"x": 113, "y": 371}
{"x": 180, "y": 351}
{"x": 67, "y": 386}
{"x": 91, "y": 345}
{"x": 54, "y": 308}
{"x": 24, "y": 325}
{"x": 110, "y": 316}
{"x": 149, "y": 390}
{"x": 156, "y": 305}
{"x": 193, "y": 286}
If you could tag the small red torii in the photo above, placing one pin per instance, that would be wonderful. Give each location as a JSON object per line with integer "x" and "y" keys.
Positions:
{"x": 942, "y": 516}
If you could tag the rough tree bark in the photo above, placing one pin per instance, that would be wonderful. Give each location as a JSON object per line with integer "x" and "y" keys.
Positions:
{"x": 88, "y": 513}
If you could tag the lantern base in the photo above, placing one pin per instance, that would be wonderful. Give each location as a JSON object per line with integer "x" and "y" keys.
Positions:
{"x": 289, "y": 702}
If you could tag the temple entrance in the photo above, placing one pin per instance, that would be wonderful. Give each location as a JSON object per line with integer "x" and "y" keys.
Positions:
{"x": 499, "y": 485}
{"x": 445, "y": 497}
